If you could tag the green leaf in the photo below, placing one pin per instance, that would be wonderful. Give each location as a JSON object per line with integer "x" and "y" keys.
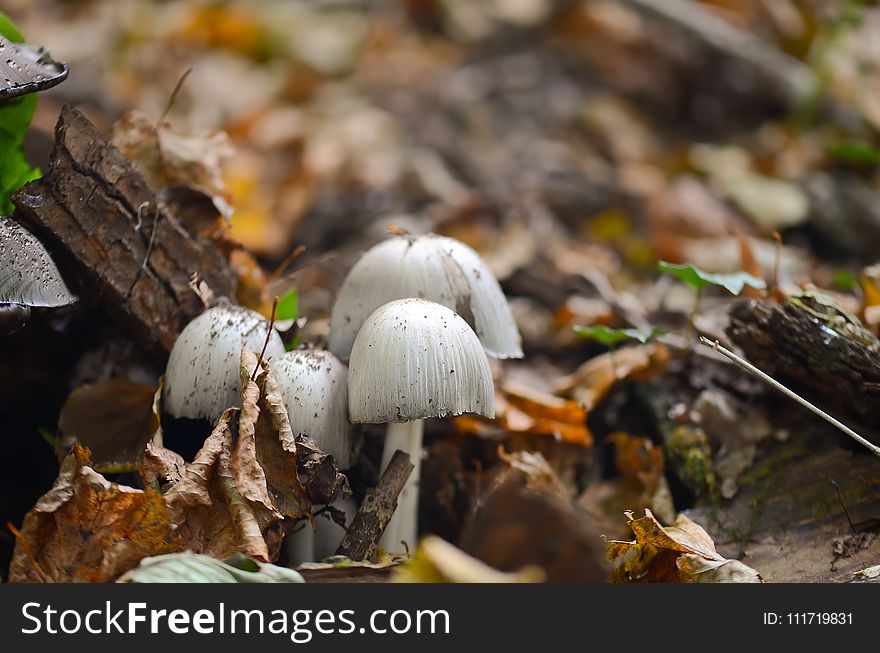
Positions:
{"x": 15, "y": 116}
{"x": 190, "y": 567}
{"x": 852, "y": 152}
{"x": 609, "y": 337}
{"x": 694, "y": 276}
{"x": 287, "y": 307}
{"x": 9, "y": 30}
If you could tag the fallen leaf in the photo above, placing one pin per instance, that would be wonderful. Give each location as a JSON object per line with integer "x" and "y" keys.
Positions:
{"x": 594, "y": 379}
{"x": 168, "y": 157}
{"x": 87, "y": 529}
{"x": 520, "y": 409}
{"x": 681, "y": 553}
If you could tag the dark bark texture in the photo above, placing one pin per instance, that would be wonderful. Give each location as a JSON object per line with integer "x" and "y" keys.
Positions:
{"x": 784, "y": 339}
{"x": 103, "y": 223}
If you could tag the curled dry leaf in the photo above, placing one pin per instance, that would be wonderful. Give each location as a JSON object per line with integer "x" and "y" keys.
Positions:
{"x": 242, "y": 492}
{"x": 681, "y": 553}
{"x": 519, "y": 409}
{"x": 207, "y": 509}
{"x": 167, "y": 157}
{"x": 87, "y": 529}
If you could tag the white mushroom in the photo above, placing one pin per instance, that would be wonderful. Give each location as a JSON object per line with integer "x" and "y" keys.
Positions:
{"x": 431, "y": 267}
{"x": 314, "y": 386}
{"x": 202, "y": 377}
{"x": 411, "y": 360}
{"x": 28, "y": 275}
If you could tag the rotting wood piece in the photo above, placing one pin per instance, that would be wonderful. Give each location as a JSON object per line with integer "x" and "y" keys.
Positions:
{"x": 103, "y": 222}
{"x": 376, "y": 510}
{"x": 784, "y": 339}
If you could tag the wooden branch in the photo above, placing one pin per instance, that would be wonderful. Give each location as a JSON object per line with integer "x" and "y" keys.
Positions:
{"x": 109, "y": 234}
{"x": 784, "y": 339}
{"x": 376, "y": 510}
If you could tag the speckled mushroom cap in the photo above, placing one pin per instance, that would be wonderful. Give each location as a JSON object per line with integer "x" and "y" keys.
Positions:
{"x": 314, "y": 386}
{"x": 415, "y": 359}
{"x": 202, "y": 377}
{"x": 28, "y": 274}
{"x": 436, "y": 268}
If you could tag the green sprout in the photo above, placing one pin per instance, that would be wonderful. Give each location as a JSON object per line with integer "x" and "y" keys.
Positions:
{"x": 733, "y": 283}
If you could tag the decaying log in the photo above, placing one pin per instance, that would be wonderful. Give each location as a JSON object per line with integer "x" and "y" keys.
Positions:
{"x": 786, "y": 340}
{"x": 102, "y": 221}
{"x": 376, "y": 510}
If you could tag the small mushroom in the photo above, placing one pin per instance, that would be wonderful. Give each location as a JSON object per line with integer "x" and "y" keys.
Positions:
{"x": 314, "y": 387}
{"x": 414, "y": 359}
{"x": 28, "y": 275}
{"x": 202, "y": 377}
{"x": 432, "y": 267}
{"x": 26, "y": 69}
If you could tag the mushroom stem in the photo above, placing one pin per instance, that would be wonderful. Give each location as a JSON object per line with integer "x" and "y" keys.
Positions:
{"x": 301, "y": 545}
{"x": 406, "y": 436}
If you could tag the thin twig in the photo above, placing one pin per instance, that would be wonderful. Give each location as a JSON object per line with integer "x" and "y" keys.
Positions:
{"x": 173, "y": 96}
{"x": 266, "y": 341}
{"x": 746, "y": 365}
{"x": 843, "y": 505}
{"x": 295, "y": 254}
{"x": 156, "y": 216}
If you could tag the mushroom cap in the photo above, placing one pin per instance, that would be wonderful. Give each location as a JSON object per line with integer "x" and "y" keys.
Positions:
{"x": 28, "y": 275}
{"x": 26, "y": 69}
{"x": 202, "y": 377}
{"x": 314, "y": 386}
{"x": 432, "y": 267}
{"x": 414, "y": 359}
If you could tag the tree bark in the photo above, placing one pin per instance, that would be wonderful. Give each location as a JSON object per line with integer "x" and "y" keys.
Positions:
{"x": 109, "y": 234}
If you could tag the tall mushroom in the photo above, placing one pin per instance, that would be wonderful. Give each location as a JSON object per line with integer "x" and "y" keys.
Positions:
{"x": 413, "y": 359}
{"x": 202, "y": 378}
{"x": 432, "y": 267}
{"x": 314, "y": 387}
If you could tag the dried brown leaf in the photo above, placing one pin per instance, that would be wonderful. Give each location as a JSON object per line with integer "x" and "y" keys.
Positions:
{"x": 87, "y": 529}
{"x": 681, "y": 553}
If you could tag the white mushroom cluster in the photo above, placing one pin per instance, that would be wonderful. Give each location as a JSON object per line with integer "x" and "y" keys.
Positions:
{"x": 416, "y": 317}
